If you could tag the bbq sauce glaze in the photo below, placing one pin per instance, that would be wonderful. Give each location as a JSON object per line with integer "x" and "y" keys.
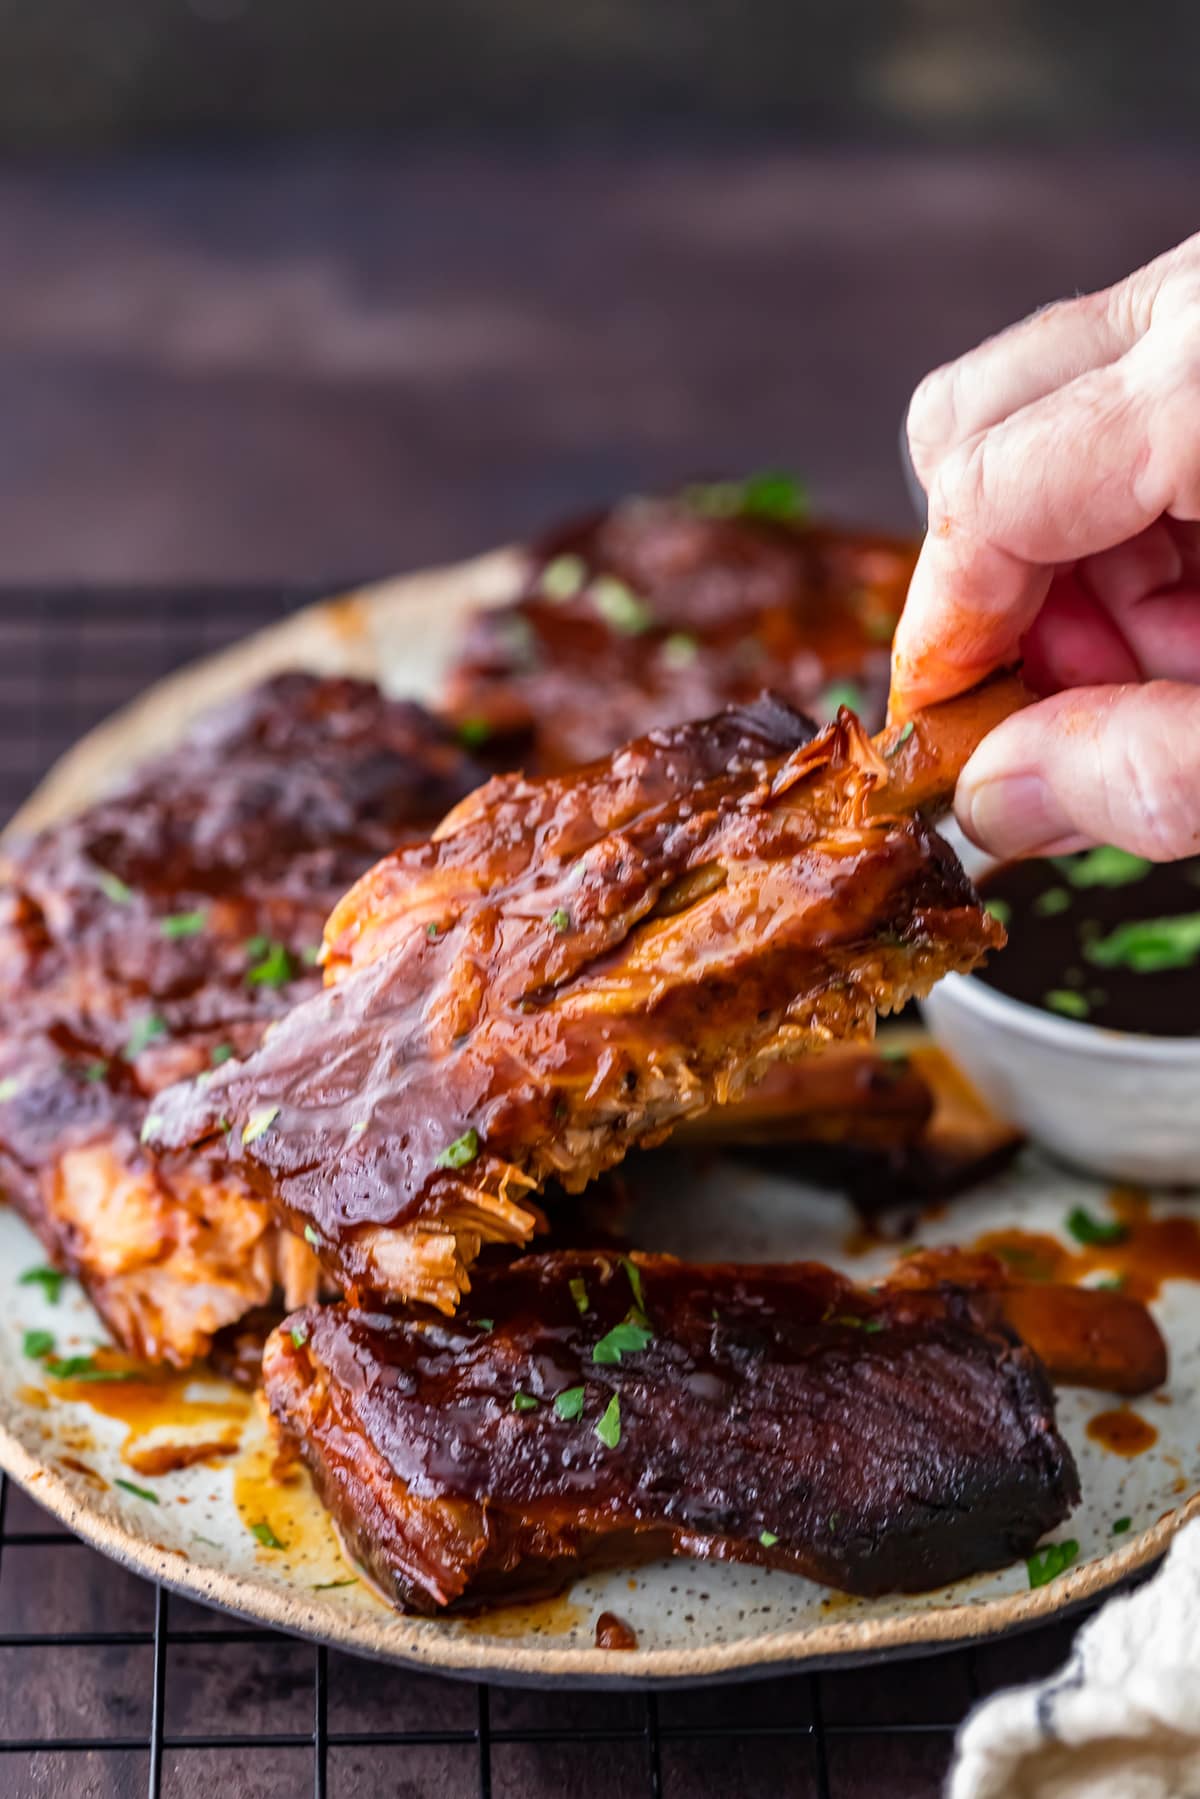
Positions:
{"x": 1103, "y": 937}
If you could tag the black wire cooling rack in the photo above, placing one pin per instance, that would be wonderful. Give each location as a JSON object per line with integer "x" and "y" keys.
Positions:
{"x": 112, "y": 1688}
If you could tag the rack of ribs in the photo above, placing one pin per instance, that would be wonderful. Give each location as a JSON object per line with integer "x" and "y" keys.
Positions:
{"x": 575, "y": 965}
{"x": 594, "y": 1410}
{"x": 669, "y": 608}
{"x": 159, "y": 933}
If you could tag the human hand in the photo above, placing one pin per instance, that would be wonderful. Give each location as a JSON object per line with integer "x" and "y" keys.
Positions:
{"x": 1062, "y": 465}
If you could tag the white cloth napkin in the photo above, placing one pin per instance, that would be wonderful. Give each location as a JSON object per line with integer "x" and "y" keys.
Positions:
{"x": 1120, "y": 1721}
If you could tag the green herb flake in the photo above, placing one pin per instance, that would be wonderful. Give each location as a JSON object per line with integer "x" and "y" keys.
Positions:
{"x": 680, "y": 649}
{"x": 773, "y": 494}
{"x": 183, "y": 924}
{"x": 767, "y": 1538}
{"x": 299, "y": 1335}
{"x": 259, "y": 1123}
{"x": 255, "y": 948}
{"x": 870, "y": 1325}
{"x": 1112, "y": 1283}
{"x": 274, "y": 969}
{"x": 485, "y": 1324}
{"x": 138, "y": 1492}
{"x": 609, "y": 1428}
{"x": 1066, "y": 1003}
{"x": 221, "y": 1052}
{"x": 431, "y": 931}
{"x": 37, "y": 1344}
{"x": 1149, "y": 946}
{"x": 569, "y": 1403}
{"x": 113, "y": 888}
{"x": 1093, "y": 1232}
{"x": 10, "y": 1086}
{"x": 311, "y": 1237}
{"x": 1047, "y": 1564}
{"x": 579, "y": 1294}
{"x": 83, "y": 1367}
{"x": 563, "y": 577}
{"x": 1052, "y": 902}
{"x": 560, "y": 918}
{"x": 1120, "y": 1526}
{"x": 626, "y": 1338}
{"x": 327, "y": 1586}
{"x": 900, "y": 742}
{"x": 524, "y": 1402}
{"x": 461, "y": 1152}
{"x": 50, "y": 1280}
{"x": 266, "y": 1536}
{"x": 146, "y": 1031}
{"x": 473, "y": 733}
{"x": 1000, "y": 910}
{"x": 842, "y": 693}
{"x": 634, "y": 1276}
{"x": 94, "y": 1071}
{"x": 1105, "y": 866}
{"x": 151, "y": 1125}
{"x": 617, "y": 603}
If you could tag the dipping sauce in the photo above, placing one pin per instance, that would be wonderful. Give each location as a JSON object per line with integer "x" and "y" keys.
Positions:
{"x": 1102, "y": 936}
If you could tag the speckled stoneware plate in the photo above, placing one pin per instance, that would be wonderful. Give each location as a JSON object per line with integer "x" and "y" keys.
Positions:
{"x": 225, "y": 1530}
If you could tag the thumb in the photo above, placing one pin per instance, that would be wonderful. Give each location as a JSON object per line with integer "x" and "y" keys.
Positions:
{"x": 1091, "y": 765}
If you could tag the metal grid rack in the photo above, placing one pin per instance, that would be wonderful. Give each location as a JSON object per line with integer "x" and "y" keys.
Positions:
{"x": 112, "y": 1688}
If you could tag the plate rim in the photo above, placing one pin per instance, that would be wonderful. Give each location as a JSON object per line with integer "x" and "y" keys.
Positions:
{"x": 339, "y": 635}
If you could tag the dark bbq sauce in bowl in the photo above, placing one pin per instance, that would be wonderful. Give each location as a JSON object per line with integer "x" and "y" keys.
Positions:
{"x": 1103, "y": 937}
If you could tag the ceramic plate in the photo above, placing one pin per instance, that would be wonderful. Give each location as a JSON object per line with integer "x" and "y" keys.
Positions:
{"x": 226, "y": 1530}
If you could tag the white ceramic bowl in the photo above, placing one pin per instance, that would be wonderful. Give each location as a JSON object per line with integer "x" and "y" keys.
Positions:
{"x": 1120, "y": 1104}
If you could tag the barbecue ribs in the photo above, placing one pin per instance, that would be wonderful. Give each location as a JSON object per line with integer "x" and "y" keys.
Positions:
{"x": 596, "y": 1410}
{"x": 156, "y": 935}
{"x": 575, "y": 965}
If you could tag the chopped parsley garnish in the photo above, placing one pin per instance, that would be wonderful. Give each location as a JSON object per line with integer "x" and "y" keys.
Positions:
{"x": 266, "y": 1536}
{"x": 560, "y": 918}
{"x": 1052, "y": 902}
{"x": 299, "y": 1335}
{"x": 473, "y": 733}
{"x": 767, "y": 1538}
{"x": 431, "y": 931}
{"x": 1094, "y": 1231}
{"x": 326, "y": 1586}
{"x": 83, "y": 1367}
{"x": 870, "y": 1325}
{"x": 579, "y": 1294}
{"x": 138, "y": 1492}
{"x": 609, "y": 1428}
{"x": 259, "y": 1123}
{"x": 626, "y": 1338}
{"x": 616, "y": 602}
{"x": 113, "y": 888}
{"x": 903, "y": 738}
{"x": 680, "y": 649}
{"x": 772, "y": 494}
{"x": 634, "y": 1276}
{"x": 255, "y": 947}
{"x": 50, "y": 1280}
{"x": 462, "y": 1151}
{"x": 147, "y": 1030}
{"x": 94, "y": 1071}
{"x": 10, "y": 1086}
{"x": 1046, "y": 1564}
{"x": 1148, "y": 946}
{"x": 1000, "y": 910}
{"x": 183, "y": 924}
{"x": 1105, "y": 866}
{"x": 842, "y": 693}
{"x": 569, "y": 1403}
{"x": 311, "y": 1237}
{"x": 524, "y": 1402}
{"x": 1120, "y": 1526}
{"x": 221, "y": 1052}
{"x": 485, "y": 1324}
{"x": 37, "y": 1344}
{"x": 563, "y": 577}
{"x": 274, "y": 969}
{"x": 1064, "y": 1001}
{"x": 151, "y": 1124}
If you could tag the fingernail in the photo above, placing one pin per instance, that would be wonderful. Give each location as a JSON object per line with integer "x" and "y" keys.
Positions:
{"x": 1013, "y": 815}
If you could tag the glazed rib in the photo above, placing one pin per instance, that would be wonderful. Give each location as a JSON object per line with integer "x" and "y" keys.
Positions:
{"x": 609, "y": 1412}
{"x": 160, "y": 931}
{"x": 576, "y": 965}
{"x": 667, "y": 609}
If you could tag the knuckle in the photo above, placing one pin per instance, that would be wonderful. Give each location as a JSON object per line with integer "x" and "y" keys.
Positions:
{"x": 930, "y": 422}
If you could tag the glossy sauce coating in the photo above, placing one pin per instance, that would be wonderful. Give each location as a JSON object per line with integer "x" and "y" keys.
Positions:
{"x": 593, "y": 1410}
{"x": 577, "y": 964}
{"x": 667, "y": 609}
